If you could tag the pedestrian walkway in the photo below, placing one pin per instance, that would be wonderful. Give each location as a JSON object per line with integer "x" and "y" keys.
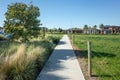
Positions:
{"x": 62, "y": 64}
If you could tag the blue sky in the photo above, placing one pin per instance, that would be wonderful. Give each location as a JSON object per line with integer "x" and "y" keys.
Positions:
{"x": 72, "y": 13}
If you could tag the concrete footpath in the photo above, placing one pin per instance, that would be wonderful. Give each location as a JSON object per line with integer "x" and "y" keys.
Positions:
{"x": 62, "y": 64}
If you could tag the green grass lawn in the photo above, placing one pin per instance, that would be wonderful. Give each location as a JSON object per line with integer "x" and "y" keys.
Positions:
{"x": 24, "y": 60}
{"x": 105, "y": 54}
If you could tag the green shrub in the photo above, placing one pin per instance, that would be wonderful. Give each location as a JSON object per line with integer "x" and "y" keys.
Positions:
{"x": 53, "y": 39}
{"x": 2, "y": 37}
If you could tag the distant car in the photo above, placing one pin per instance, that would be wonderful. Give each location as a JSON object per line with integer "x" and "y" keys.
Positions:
{"x": 2, "y": 37}
{"x": 8, "y": 36}
{"x": 1, "y": 33}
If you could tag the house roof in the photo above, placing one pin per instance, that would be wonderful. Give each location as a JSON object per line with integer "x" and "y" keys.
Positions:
{"x": 111, "y": 26}
{"x": 1, "y": 28}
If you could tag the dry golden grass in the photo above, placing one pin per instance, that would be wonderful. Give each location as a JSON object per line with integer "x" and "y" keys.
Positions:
{"x": 19, "y": 60}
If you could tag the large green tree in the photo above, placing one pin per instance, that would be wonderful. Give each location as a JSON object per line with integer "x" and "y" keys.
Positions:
{"x": 22, "y": 21}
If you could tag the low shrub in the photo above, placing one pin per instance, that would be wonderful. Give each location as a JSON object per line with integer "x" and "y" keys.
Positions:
{"x": 53, "y": 39}
{"x": 2, "y": 37}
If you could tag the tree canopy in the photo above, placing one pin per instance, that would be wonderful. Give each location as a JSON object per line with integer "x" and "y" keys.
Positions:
{"x": 22, "y": 21}
{"x": 101, "y": 26}
{"x": 94, "y": 27}
{"x": 85, "y": 27}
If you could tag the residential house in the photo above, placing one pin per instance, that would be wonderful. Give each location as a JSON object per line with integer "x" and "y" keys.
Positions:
{"x": 91, "y": 31}
{"x": 75, "y": 31}
{"x": 1, "y": 30}
{"x": 111, "y": 29}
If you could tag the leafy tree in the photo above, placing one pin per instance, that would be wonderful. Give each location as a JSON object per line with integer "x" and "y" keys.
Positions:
{"x": 21, "y": 21}
{"x": 44, "y": 30}
{"x": 60, "y": 30}
{"x": 101, "y": 27}
{"x": 94, "y": 31}
{"x": 50, "y": 30}
{"x": 85, "y": 29}
{"x": 94, "y": 27}
{"x": 75, "y": 28}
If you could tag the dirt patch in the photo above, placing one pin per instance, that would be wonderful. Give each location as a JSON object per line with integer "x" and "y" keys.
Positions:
{"x": 83, "y": 64}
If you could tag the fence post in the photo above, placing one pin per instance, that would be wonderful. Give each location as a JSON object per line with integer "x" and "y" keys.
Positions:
{"x": 89, "y": 59}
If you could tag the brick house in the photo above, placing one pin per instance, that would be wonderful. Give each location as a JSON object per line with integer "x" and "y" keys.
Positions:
{"x": 111, "y": 29}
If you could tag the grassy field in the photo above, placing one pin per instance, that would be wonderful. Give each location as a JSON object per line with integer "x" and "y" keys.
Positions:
{"x": 105, "y": 54}
{"x": 23, "y": 61}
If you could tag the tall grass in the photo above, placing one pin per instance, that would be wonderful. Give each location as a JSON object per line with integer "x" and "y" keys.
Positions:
{"x": 23, "y": 61}
{"x": 21, "y": 65}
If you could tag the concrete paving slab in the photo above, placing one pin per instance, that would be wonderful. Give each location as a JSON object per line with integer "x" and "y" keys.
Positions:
{"x": 62, "y": 64}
